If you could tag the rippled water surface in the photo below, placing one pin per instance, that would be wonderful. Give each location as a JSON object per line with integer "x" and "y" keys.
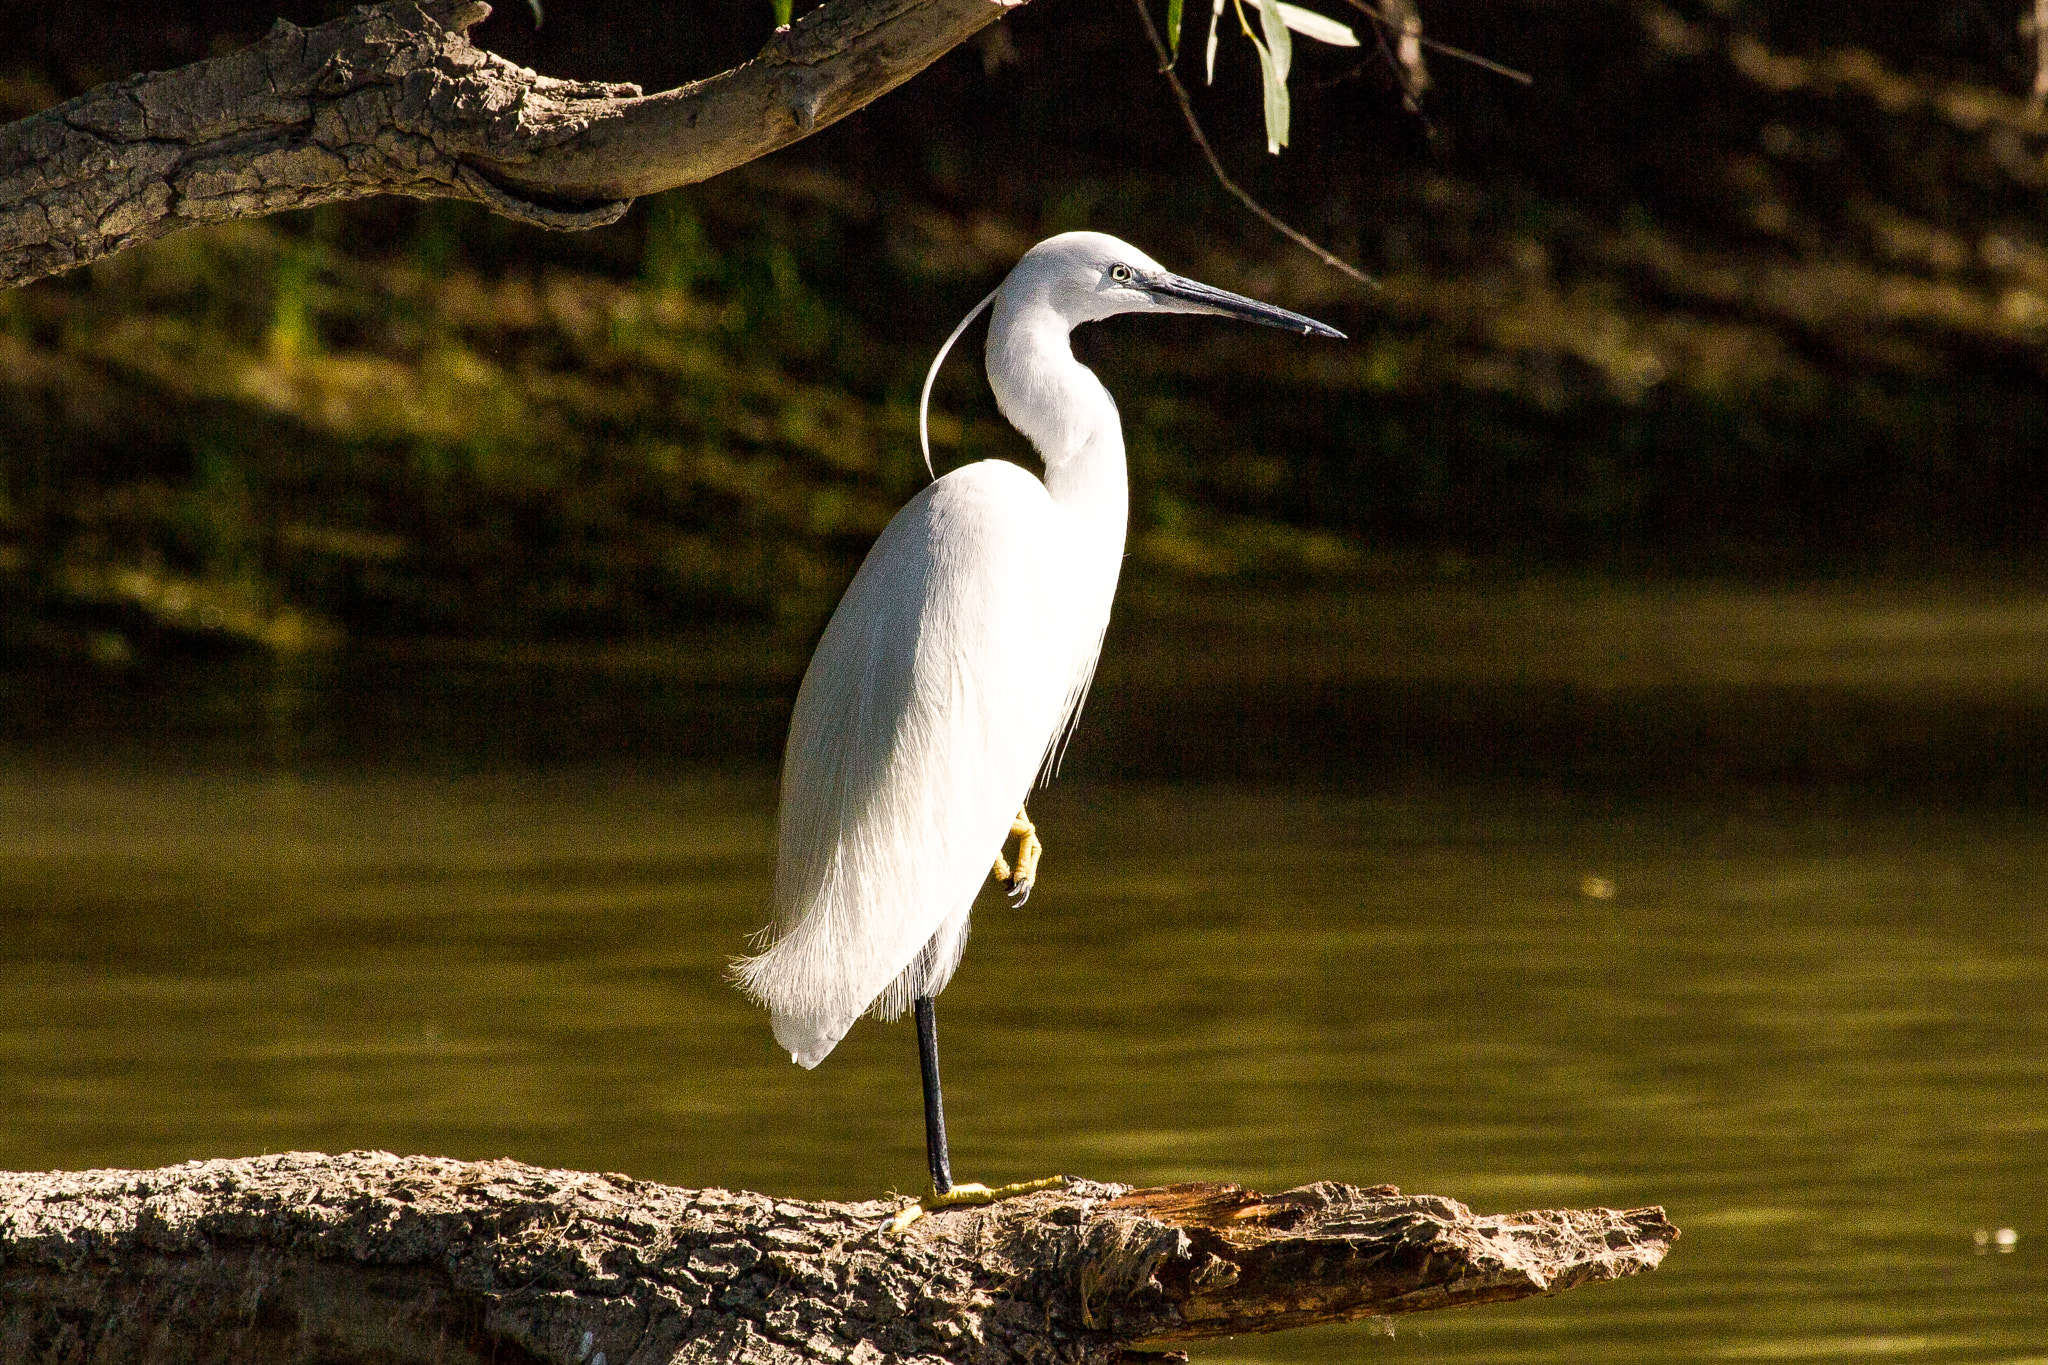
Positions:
{"x": 1817, "y": 1033}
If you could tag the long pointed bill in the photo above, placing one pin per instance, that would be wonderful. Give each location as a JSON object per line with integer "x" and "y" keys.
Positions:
{"x": 1183, "y": 295}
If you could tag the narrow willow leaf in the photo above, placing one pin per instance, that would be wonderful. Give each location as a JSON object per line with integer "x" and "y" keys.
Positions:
{"x": 1278, "y": 41}
{"x": 1274, "y": 92}
{"x": 782, "y": 8}
{"x": 1276, "y": 55}
{"x": 1276, "y": 101}
{"x": 1173, "y": 29}
{"x": 1309, "y": 24}
{"x": 1215, "y": 18}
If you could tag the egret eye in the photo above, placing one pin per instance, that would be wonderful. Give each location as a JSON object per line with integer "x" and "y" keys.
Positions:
{"x": 1120, "y": 273}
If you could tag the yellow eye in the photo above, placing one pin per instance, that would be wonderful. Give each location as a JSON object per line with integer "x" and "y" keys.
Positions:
{"x": 1120, "y": 273}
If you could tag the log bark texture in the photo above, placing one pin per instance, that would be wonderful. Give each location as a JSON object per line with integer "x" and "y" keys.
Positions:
{"x": 370, "y": 1257}
{"x": 394, "y": 99}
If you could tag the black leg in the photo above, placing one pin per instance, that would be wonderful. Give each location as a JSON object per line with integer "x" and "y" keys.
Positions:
{"x": 934, "y": 1105}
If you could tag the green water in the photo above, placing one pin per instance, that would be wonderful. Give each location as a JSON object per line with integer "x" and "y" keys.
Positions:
{"x": 1816, "y": 1032}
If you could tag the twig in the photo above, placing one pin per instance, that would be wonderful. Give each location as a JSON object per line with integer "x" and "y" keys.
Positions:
{"x": 1458, "y": 53}
{"x": 1399, "y": 19}
{"x": 1483, "y": 63}
{"x": 1411, "y": 94}
{"x": 1187, "y": 109}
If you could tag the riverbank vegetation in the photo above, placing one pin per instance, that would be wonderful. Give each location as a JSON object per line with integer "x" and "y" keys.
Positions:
{"x": 1748, "y": 295}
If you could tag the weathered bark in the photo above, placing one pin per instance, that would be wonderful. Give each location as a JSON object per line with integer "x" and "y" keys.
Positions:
{"x": 368, "y": 1256}
{"x": 393, "y": 99}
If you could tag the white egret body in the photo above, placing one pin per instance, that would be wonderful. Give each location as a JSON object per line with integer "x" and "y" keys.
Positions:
{"x": 956, "y": 660}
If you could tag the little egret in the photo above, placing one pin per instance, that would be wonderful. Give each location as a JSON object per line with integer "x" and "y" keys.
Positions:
{"x": 952, "y": 668}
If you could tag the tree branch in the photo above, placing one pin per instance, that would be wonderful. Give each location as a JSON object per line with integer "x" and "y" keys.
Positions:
{"x": 393, "y": 99}
{"x": 374, "y": 1257}
{"x": 1266, "y": 215}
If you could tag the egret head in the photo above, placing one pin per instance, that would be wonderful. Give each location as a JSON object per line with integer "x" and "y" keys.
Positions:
{"x": 1080, "y": 277}
{"x": 1087, "y": 276}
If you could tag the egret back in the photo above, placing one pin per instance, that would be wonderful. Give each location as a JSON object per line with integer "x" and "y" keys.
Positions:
{"x": 926, "y": 712}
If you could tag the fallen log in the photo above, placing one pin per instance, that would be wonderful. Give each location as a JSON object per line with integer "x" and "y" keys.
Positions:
{"x": 372, "y": 1257}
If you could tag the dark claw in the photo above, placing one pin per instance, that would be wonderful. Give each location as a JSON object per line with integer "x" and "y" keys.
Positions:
{"x": 1019, "y": 893}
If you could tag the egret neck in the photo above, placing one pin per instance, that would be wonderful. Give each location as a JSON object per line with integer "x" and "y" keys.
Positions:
{"x": 1070, "y": 419}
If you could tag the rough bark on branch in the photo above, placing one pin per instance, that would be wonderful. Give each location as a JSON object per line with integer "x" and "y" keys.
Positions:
{"x": 304, "y": 1257}
{"x": 394, "y": 99}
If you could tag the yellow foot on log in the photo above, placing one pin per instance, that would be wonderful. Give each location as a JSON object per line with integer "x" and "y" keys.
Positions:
{"x": 963, "y": 1196}
{"x": 1029, "y": 850}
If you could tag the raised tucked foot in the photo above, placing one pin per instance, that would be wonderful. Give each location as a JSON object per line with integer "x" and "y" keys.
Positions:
{"x": 1029, "y": 850}
{"x": 962, "y": 1196}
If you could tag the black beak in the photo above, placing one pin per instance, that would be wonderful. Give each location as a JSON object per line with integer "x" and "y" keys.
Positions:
{"x": 1192, "y": 296}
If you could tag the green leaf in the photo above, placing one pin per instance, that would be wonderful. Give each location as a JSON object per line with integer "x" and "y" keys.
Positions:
{"x": 1278, "y": 41}
{"x": 1276, "y": 101}
{"x": 1173, "y": 8}
{"x": 782, "y": 9}
{"x": 1323, "y": 29}
{"x": 1276, "y": 56}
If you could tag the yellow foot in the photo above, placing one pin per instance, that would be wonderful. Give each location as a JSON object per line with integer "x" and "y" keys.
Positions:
{"x": 962, "y": 1196}
{"x": 1029, "y": 850}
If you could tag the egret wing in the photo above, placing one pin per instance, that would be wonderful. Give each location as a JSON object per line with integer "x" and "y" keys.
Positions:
{"x": 926, "y": 712}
